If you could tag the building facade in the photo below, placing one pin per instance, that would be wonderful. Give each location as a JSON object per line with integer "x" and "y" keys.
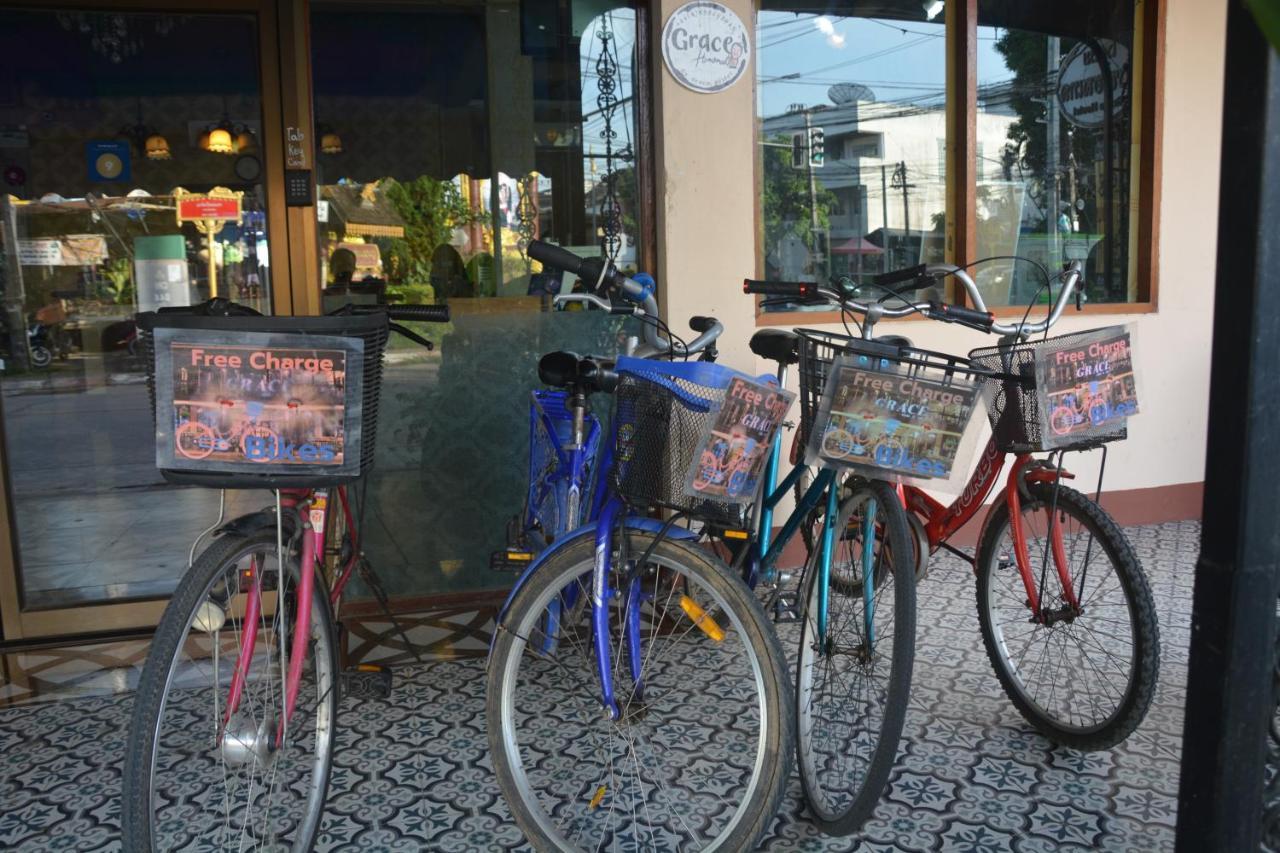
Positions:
{"x": 432, "y": 142}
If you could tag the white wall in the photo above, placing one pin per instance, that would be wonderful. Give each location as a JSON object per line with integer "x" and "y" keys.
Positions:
{"x": 707, "y": 223}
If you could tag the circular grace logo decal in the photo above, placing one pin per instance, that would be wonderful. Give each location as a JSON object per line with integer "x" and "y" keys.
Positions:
{"x": 705, "y": 46}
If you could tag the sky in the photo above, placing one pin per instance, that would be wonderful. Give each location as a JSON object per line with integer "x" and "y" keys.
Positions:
{"x": 897, "y": 60}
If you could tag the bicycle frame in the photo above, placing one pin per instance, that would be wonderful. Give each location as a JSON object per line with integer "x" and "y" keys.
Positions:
{"x": 942, "y": 521}
{"x": 765, "y": 550}
{"x": 569, "y": 478}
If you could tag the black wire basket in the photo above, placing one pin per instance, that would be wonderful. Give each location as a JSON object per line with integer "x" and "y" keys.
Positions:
{"x": 361, "y": 389}
{"x": 662, "y": 411}
{"x": 819, "y": 350}
{"x": 1014, "y": 403}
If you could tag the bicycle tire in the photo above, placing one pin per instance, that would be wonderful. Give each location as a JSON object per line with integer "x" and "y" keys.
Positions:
{"x": 159, "y": 690}
{"x": 203, "y": 432}
{"x": 540, "y": 719}
{"x": 836, "y": 809}
{"x": 1143, "y": 628}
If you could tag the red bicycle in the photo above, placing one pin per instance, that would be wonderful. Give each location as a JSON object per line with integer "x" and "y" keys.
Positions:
{"x": 1065, "y": 609}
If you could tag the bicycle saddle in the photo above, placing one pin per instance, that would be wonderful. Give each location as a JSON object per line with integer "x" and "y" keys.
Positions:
{"x": 562, "y": 369}
{"x": 781, "y": 345}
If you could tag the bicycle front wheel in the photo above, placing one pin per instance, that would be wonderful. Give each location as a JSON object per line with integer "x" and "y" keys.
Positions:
{"x": 701, "y": 754}
{"x": 1083, "y": 676}
{"x": 854, "y": 669}
{"x": 199, "y": 776}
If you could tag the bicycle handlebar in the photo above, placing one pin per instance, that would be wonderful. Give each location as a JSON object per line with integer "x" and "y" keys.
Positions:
{"x": 977, "y": 316}
{"x": 602, "y": 277}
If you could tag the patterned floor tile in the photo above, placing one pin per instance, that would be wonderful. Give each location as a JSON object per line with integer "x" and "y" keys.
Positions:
{"x": 413, "y": 774}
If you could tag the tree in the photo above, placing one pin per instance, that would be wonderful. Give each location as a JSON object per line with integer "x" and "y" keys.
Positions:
{"x": 785, "y": 203}
{"x": 431, "y": 209}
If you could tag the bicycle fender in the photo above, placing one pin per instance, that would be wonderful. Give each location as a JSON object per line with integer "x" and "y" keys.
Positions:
{"x": 255, "y": 521}
{"x": 650, "y": 525}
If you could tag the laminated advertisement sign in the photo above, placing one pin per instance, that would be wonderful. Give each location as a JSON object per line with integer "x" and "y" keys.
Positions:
{"x": 1086, "y": 385}
{"x": 253, "y": 402}
{"x": 904, "y": 425}
{"x": 733, "y": 451}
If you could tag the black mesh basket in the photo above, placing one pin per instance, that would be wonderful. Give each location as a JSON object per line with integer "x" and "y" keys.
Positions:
{"x": 1012, "y": 402}
{"x": 658, "y": 427}
{"x": 818, "y": 350}
{"x": 371, "y": 328}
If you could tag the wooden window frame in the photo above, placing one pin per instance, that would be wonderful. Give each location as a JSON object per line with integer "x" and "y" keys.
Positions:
{"x": 961, "y": 21}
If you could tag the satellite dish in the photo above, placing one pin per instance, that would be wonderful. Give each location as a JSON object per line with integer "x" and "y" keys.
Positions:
{"x": 848, "y": 93}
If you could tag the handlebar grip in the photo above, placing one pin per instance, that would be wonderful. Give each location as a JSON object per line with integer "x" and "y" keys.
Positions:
{"x": 701, "y": 324}
{"x": 419, "y": 313}
{"x": 799, "y": 289}
{"x": 895, "y": 276}
{"x": 554, "y": 256}
{"x": 981, "y": 320}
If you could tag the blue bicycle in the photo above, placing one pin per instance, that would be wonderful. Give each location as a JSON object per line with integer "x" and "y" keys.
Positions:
{"x": 637, "y": 697}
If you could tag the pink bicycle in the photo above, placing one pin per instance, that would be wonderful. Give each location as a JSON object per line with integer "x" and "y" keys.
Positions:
{"x": 232, "y": 737}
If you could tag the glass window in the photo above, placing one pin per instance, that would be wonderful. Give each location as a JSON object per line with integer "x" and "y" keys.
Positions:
{"x": 851, "y": 109}
{"x": 1054, "y": 146}
{"x": 450, "y": 136}
{"x": 99, "y": 137}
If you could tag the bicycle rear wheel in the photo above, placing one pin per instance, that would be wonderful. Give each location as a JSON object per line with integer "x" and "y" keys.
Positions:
{"x": 700, "y": 756}
{"x": 196, "y": 780}
{"x": 1084, "y": 679}
{"x": 853, "y": 676}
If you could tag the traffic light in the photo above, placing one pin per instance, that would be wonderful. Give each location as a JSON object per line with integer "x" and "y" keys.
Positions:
{"x": 817, "y": 147}
{"x": 798, "y": 158}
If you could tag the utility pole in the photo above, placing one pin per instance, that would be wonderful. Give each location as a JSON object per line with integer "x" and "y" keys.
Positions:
{"x": 884, "y": 210}
{"x": 900, "y": 182}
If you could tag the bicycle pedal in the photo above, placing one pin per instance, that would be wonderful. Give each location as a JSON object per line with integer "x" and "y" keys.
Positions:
{"x": 510, "y": 560}
{"x": 786, "y": 609}
{"x": 367, "y": 681}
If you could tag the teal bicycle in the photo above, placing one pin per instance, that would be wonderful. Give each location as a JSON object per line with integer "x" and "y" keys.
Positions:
{"x": 857, "y": 598}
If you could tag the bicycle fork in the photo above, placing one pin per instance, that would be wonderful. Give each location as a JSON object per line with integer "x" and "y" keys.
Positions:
{"x": 313, "y": 530}
{"x": 1022, "y": 552}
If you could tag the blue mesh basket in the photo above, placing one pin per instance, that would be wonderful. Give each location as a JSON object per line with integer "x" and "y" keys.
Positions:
{"x": 661, "y": 413}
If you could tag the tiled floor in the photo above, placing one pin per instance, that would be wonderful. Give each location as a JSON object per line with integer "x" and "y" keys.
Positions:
{"x": 412, "y": 774}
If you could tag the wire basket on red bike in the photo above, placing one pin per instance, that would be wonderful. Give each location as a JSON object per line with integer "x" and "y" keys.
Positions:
{"x": 1069, "y": 392}
{"x": 664, "y": 424}
{"x": 245, "y": 401}
{"x": 884, "y": 404}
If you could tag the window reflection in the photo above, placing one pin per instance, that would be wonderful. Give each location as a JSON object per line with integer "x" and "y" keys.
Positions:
{"x": 100, "y": 141}
{"x": 465, "y": 133}
{"x": 852, "y": 138}
{"x": 1053, "y": 155}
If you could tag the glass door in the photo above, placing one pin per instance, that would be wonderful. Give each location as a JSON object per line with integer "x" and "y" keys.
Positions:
{"x": 113, "y": 126}
{"x": 448, "y": 137}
